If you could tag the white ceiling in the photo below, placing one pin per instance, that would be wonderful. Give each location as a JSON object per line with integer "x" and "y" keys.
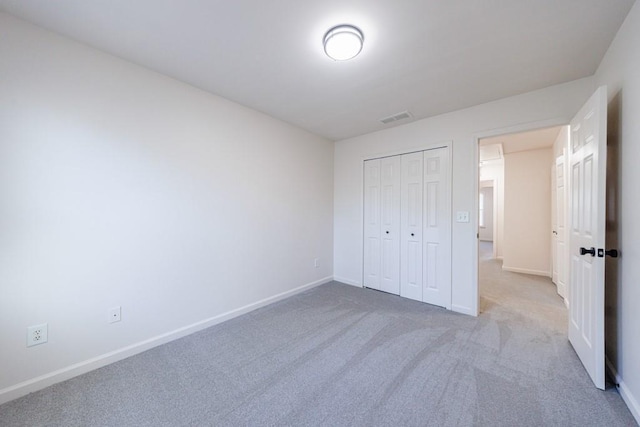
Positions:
{"x": 521, "y": 141}
{"x": 425, "y": 56}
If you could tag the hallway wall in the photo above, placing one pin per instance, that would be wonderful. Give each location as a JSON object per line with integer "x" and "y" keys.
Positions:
{"x": 527, "y": 206}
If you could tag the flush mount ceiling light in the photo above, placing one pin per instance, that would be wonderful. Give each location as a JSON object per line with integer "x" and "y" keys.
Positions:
{"x": 343, "y": 42}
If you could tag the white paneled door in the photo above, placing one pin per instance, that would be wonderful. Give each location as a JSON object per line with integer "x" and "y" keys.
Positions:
{"x": 554, "y": 225}
{"x": 411, "y": 226}
{"x": 437, "y": 228}
{"x": 382, "y": 224}
{"x": 587, "y": 153}
{"x": 560, "y": 229}
{"x": 407, "y": 231}
{"x": 372, "y": 224}
{"x": 390, "y": 220}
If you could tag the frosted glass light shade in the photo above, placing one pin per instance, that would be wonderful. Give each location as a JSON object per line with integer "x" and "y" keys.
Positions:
{"x": 343, "y": 42}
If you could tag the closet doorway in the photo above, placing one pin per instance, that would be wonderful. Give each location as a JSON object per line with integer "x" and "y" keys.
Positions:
{"x": 407, "y": 225}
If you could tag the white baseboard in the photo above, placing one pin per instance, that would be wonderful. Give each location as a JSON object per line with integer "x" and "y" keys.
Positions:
{"x": 625, "y": 393}
{"x": 347, "y": 281}
{"x": 562, "y": 289}
{"x": 464, "y": 310}
{"x": 527, "y": 271}
{"x": 43, "y": 381}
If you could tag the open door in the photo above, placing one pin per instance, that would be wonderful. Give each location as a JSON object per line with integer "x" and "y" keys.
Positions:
{"x": 587, "y": 155}
{"x": 560, "y": 226}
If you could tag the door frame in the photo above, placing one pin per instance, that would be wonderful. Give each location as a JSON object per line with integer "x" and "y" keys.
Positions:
{"x": 494, "y": 217}
{"x": 525, "y": 127}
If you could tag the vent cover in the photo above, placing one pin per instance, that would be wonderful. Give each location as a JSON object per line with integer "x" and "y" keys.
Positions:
{"x": 398, "y": 116}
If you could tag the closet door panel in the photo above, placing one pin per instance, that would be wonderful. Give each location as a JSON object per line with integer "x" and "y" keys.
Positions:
{"x": 411, "y": 226}
{"x": 437, "y": 229}
{"x": 372, "y": 224}
{"x": 390, "y": 179}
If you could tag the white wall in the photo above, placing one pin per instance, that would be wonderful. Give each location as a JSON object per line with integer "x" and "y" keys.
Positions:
{"x": 486, "y": 232}
{"x": 551, "y": 106}
{"x": 620, "y": 71}
{"x": 494, "y": 171}
{"x": 527, "y": 211}
{"x": 120, "y": 186}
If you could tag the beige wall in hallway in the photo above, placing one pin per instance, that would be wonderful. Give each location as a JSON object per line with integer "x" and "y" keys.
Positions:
{"x": 527, "y": 206}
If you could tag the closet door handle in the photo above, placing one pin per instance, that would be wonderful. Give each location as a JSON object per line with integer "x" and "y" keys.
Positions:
{"x": 387, "y": 232}
{"x": 412, "y": 234}
{"x": 584, "y": 251}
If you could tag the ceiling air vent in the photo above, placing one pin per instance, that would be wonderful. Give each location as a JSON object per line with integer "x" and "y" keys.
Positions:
{"x": 398, "y": 116}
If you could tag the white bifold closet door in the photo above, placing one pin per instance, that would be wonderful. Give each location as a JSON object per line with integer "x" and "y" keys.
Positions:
{"x": 407, "y": 235}
{"x": 411, "y": 226}
{"x": 382, "y": 224}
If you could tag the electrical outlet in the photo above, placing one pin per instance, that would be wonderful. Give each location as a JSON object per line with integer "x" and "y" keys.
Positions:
{"x": 37, "y": 334}
{"x": 114, "y": 314}
{"x": 316, "y": 262}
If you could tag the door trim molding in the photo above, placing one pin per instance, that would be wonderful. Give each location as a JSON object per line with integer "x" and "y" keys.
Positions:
{"x": 524, "y": 127}
{"x": 429, "y": 146}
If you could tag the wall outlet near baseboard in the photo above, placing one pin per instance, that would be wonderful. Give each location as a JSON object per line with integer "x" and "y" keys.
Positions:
{"x": 316, "y": 262}
{"x": 114, "y": 314}
{"x": 37, "y": 334}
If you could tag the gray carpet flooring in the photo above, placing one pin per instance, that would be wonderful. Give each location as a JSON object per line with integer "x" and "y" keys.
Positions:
{"x": 338, "y": 355}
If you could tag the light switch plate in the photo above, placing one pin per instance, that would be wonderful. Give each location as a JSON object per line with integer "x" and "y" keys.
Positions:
{"x": 462, "y": 216}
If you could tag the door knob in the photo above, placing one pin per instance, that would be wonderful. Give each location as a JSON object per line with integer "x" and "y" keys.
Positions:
{"x": 412, "y": 234}
{"x": 613, "y": 253}
{"x": 584, "y": 251}
{"x": 387, "y": 232}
